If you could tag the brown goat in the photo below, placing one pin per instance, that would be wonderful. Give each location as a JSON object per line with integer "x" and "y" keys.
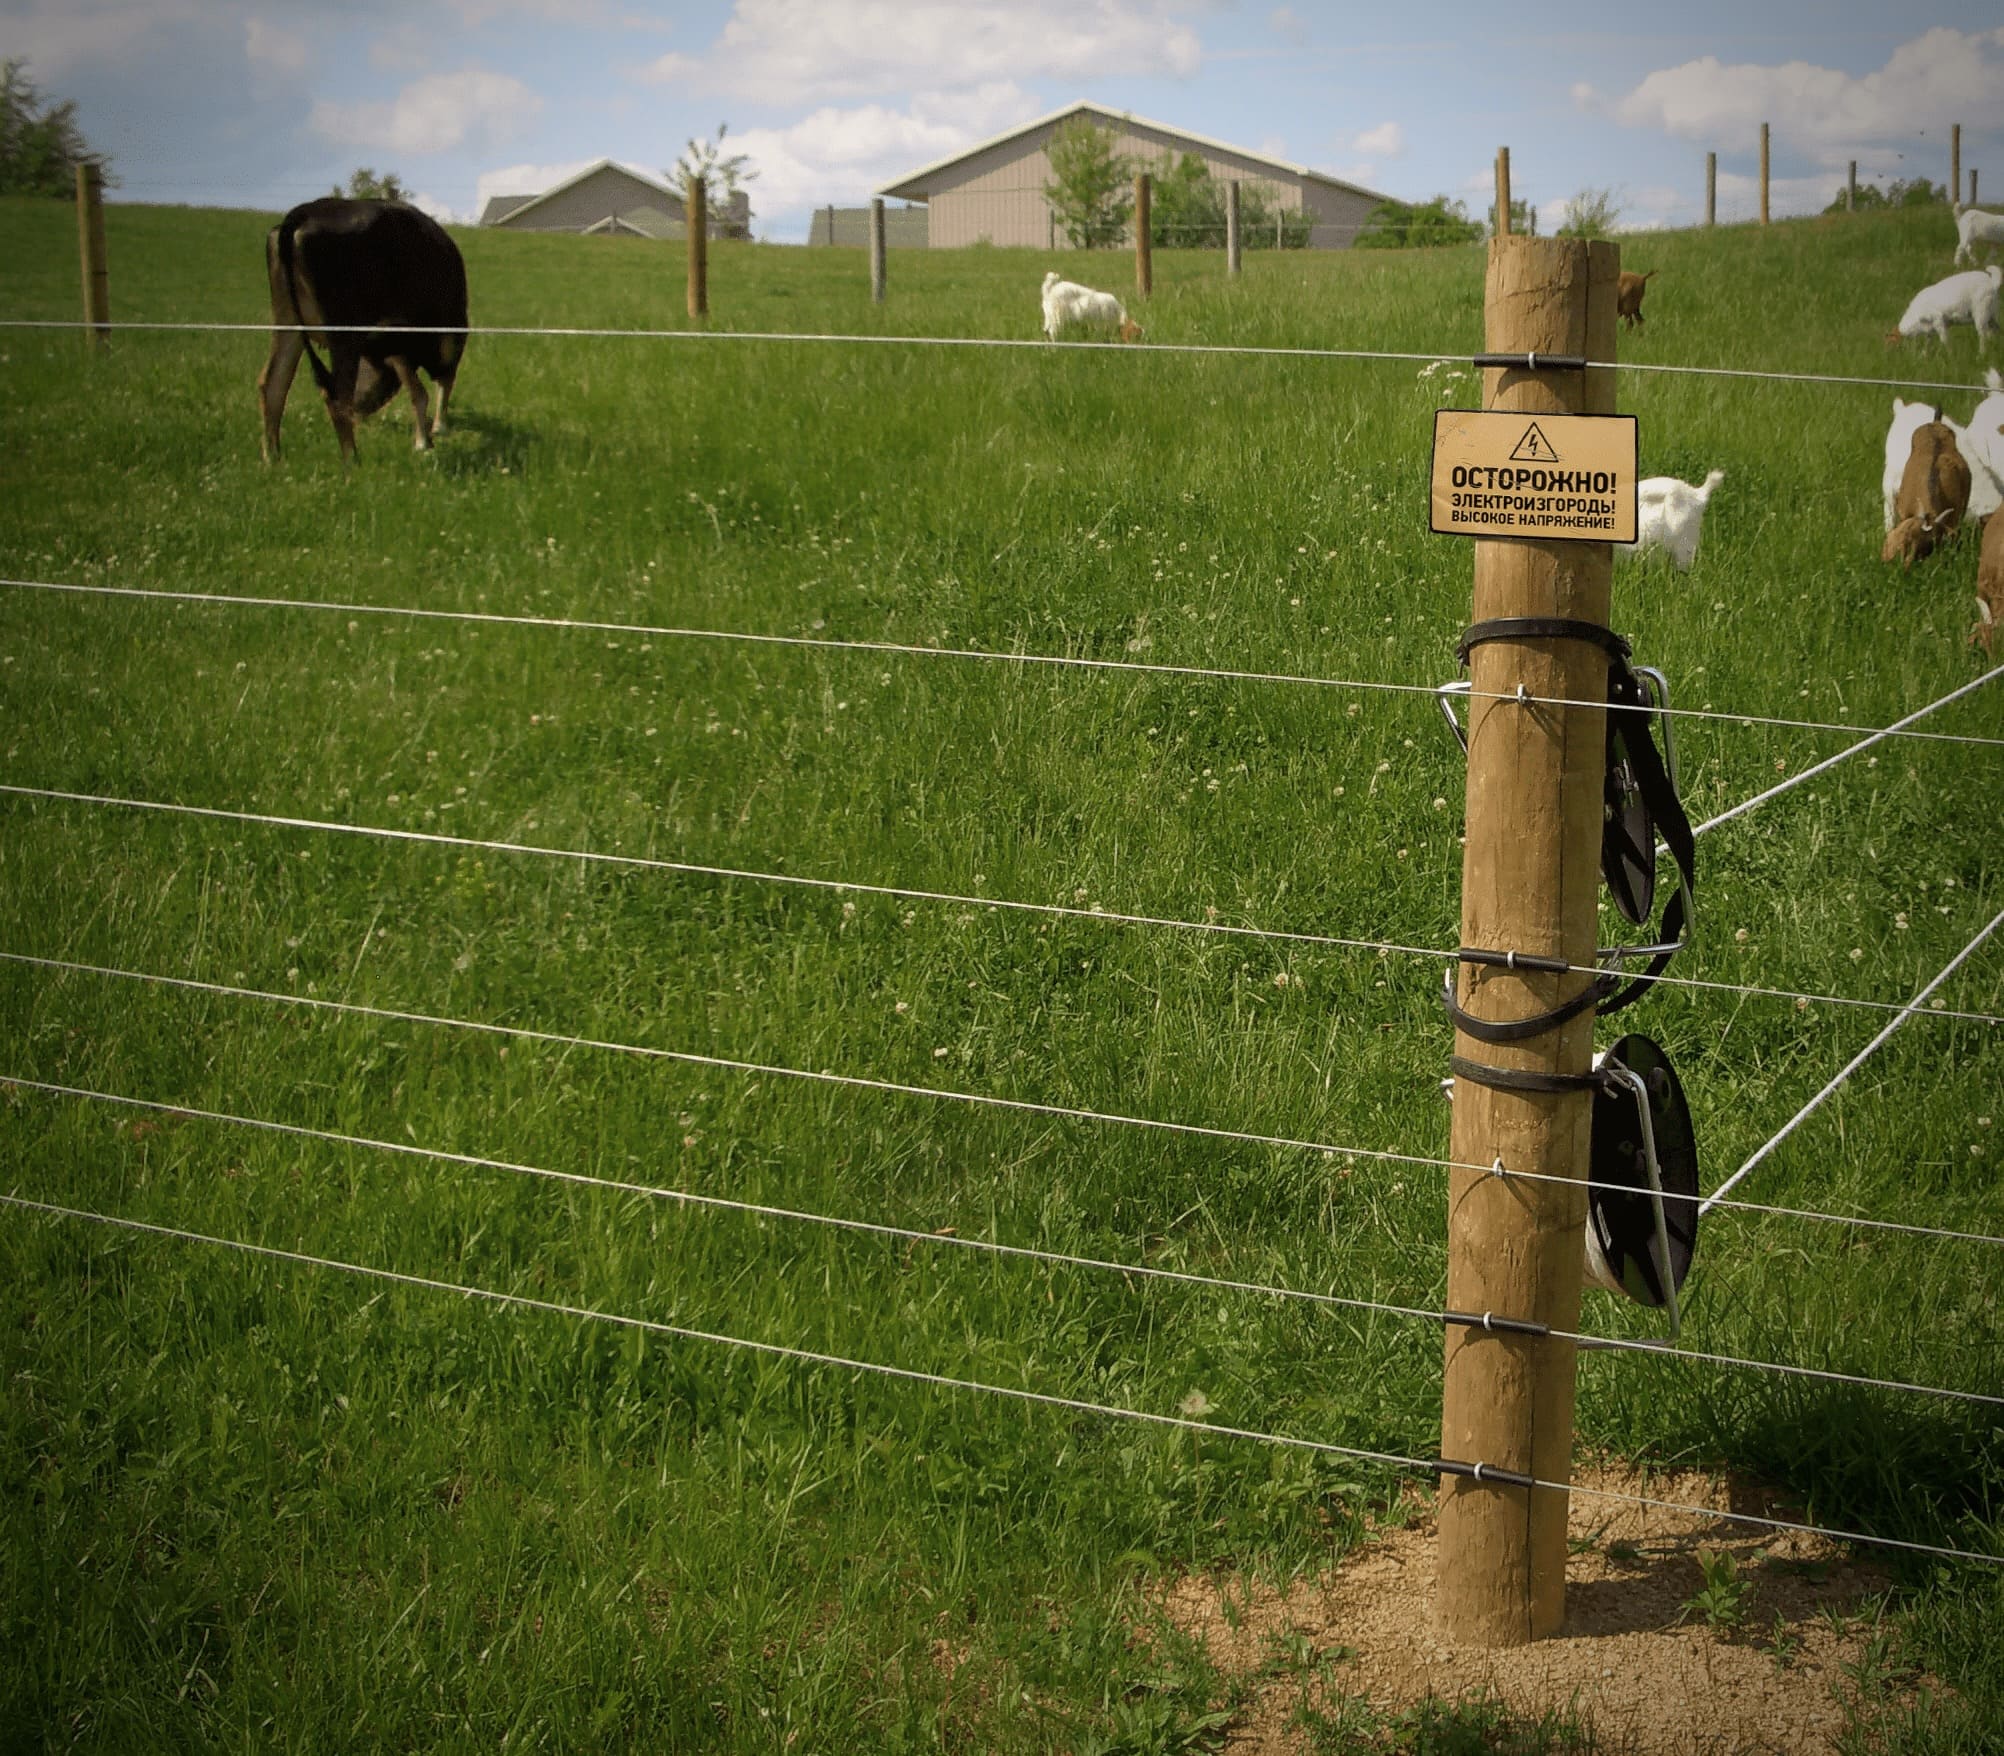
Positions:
{"x": 1989, "y": 583}
{"x": 1932, "y": 499}
{"x": 1628, "y": 296}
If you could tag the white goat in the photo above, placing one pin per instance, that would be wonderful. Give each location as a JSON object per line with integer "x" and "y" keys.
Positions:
{"x": 1669, "y": 515}
{"x": 1067, "y": 305}
{"x": 1972, "y": 227}
{"x": 1982, "y": 444}
{"x": 1961, "y": 298}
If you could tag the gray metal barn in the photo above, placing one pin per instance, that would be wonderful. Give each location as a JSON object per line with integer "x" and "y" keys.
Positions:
{"x": 994, "y": 192}
{"x": 613, "y": 198}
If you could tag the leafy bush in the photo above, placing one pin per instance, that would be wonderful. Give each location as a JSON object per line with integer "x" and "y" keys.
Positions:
{"x": 1187, "y": 211}
{"x": 1900, "y": 192}
{"x": 40, "y": 143}
{"x": 1090, "y": 189}
{"x": 1417, "y": 225}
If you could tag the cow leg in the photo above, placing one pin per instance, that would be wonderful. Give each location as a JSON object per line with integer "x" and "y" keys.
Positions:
{"x": 344, "y": 366}
{"x": 274, "y": 384}
{"x": 442, "y": 385}
{"x": 420, "y": 407}
{"x": 373, "y": 388}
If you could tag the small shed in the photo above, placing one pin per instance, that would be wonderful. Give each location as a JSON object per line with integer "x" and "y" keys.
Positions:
{"x": 994, "y": 192}
{"x": 609, "y": 198}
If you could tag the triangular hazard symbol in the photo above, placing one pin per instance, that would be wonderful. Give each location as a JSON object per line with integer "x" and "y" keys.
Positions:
{"x": 1534, "y": 447}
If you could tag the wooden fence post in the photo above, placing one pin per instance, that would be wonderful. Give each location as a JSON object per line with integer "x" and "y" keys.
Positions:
{"x": 876, "y": 249}
{"x": 1232, "y": 247}
{"x": 90, "y": 241}
{"x": 1972, "y": 185}
{"x": 1529, "y": 883}
{"x": 1711, "y": 188}
{"x": 1502, "y": 192}
{"x": 696, "y": 218}
{"x": 1763, "y": 173}
{"x": 1144, "y": 261}
{"x": 1851, "y": 189}
{"x": 1954, "y": 162}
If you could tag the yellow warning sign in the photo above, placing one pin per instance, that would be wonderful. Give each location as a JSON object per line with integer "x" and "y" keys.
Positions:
{"x": 1497, "y": 474}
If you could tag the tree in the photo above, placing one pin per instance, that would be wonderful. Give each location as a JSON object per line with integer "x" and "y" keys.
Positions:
{"x": 1590, "y": 214}
{"x": 365, "y": 185}
{"x": 40, "y": 143}
{"x": 720, "y": 172}
{"x": 1523, "y": 218}
{"x": 1186, "y": 210}
{"x": 1089, "y": 189}
{"x": 1900, "y": 192}
{"x": 1417, "y": 225}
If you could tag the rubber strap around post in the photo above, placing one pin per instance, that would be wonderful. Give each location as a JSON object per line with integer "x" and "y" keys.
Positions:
{"x": 1522, "y": 1079}
{"x": 1542, "y": 628}
{"x": 1517, "y": 1030}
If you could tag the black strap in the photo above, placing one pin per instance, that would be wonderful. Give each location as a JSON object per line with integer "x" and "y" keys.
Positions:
{"x": 1626, "y": 692}
{"x": 1542, "y": 628}
{"x": 1523, "y": 1079}
{"x": 1517, "y": 1030}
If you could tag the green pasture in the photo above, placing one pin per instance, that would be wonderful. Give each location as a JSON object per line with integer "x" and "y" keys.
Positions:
{"x": 260, "y": 1505}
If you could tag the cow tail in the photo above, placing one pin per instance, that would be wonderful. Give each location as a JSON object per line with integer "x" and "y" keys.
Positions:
{"x": 286, "y": 248}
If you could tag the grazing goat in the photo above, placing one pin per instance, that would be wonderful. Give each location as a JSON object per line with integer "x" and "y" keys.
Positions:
{"x": 1908, "y": 419}
{"x": 1972, "y": 227}
{"x": 1067, "y": 305}
{"x": 1933, "y": 496}
{"x": 1961, "y": 298}
{"x": 1628, "y": 296}
{"x": 1989, "y": 585}
{"x": 1669, "y": 515}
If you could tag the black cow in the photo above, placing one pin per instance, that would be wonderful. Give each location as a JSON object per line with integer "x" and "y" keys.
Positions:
{"x": 373, "y": 265}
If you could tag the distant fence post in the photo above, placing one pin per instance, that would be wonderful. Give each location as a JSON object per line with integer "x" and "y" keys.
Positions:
{"x": 1763, "y": 173}
{"x": 90, "y": 241}
{"x": 1144, "y": 263}
{"x": 1516, "y": 1246}
{"x": 1955, "y": 161}
{"x": 696, "y": 218}
{"x": 1851, "y": 189}
{"x": 1711, "y": 188}
{"x": 1232, "y": 227}
{"x": 1502, "y": 192}
{"x": 1972, "y": 185}
{"x": 876, "y": 249}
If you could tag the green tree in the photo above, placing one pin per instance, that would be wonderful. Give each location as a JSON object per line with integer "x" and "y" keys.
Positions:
{"x": 365, "y": 185}
{"x": 40, "y": 143}
{"x": 1590, "y": 214}
{"x": 1900, "y": 192}
{"x": 1417, "y": 225}
{"x": 722, "y": 173}
{"x": 1186, "y": 211}
{"x": 1089, "y": 189}
{"x": 1523, "y": 218}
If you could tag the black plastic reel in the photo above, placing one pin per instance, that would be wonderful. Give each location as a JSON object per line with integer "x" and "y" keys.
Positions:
{"x": 1638, "y": 1243}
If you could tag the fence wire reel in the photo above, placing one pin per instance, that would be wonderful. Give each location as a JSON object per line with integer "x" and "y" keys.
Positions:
{"x": 1643, "y": 1147}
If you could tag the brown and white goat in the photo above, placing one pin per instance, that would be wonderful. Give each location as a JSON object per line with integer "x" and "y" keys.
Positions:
{"x": 1989, "y": 583}
{"x": 1934, "y": 495}
{"x": 1628, "y": 296}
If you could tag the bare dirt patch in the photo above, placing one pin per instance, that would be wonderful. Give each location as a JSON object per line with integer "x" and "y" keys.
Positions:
{"x": 1634, "y": 1665}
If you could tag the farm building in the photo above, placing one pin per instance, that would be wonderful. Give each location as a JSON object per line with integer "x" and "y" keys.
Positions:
{"x": 994, "y": 192}
{"x": 904, "y": 227}
{"x": 609, "y": 198}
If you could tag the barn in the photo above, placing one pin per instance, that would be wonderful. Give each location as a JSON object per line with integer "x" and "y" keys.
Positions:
{"x": 611, "y": 198}
{"x": 994, "y": 192}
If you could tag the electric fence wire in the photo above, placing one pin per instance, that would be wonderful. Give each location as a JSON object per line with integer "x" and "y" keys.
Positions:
{"x": 1056, "y": 661}
{"x": 1858, "y": 1060}
{"x": 936, "y": 1380}
{"x": 1452, "y": 356}
{"x": 994, "y": 1247}
{"x": 908, "y": 893}
{"x": 899, "y": 1088}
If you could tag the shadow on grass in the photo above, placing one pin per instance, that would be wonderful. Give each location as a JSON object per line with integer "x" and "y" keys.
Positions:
{"x": 476, "y": 444}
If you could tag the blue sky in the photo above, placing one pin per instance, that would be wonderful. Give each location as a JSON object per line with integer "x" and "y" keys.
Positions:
{"x": 260, "y": 103}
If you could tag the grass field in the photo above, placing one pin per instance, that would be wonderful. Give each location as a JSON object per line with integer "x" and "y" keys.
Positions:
{"x": 251, "y": 1504}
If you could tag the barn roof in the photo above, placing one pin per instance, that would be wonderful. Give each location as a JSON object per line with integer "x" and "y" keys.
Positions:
{"x": 524, "y": 203}
{"x": 912, "y": 187}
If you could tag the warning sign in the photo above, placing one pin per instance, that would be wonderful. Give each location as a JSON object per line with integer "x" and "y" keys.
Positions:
{"x": 1497, "y": 474}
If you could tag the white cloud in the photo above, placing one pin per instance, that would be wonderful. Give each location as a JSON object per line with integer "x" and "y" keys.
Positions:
{"x": 1386, "y": 141}
{"x": 439, "y": 210}
{"x": 1820, "y": 112}
{"x": 433, "y": 114}
{"x": 781, "y": 52}
{"x": 1289, "y": 26}
{"x": 268, "y": 45}
{"x": 54, "y": 36}
{"x": 530, "y": 179}
{"x": 840, "y": 155}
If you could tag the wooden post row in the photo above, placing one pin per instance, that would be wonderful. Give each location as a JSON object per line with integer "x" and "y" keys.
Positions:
{"x": 1144, "y": 262}
{"x": 1763, "y": 173}
{"x": 1502, "y": 192}
{"x": 696, "y": 215}
{"x": 876, "y": 249}
{"x": 90, "y": 241}
{"x": 1851, "y": 189}
{"x": 1972, "y": 185}
{"x": 1711, "y": 188}
{"x": 1955, "y": 161}
{"x": 1232, "y": 244}
{"x": 1530, "y": 883}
